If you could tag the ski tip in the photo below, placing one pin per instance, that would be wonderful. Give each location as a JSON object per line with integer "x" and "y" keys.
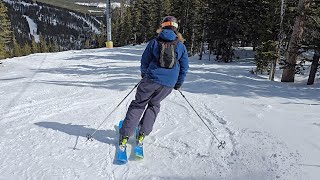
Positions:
{"x": 121, "y": 162}
{"x": 138, "y": 152}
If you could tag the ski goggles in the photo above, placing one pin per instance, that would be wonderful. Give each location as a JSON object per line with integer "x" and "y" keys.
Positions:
{"x": 169, "y": 23}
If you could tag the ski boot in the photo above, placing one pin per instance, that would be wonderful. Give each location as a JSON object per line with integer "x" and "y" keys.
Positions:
{"x": 123, "y": 142}
{"x": 139, "y": 138}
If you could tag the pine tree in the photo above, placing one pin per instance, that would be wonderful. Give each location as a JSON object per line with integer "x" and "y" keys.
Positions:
{"x": 17, "y": 52}
{"x": 2, "y": 50}
{"x": 126, "y": 27}
{"x": 51, "y": 46}
{"x": 87, "y": 44}
{"x": 5, "y": 32}
{"x": 103, "y": 36}
{"x": 294, "y": 44}
{"x": 43, "y": 44}
{"x": 34, "y": 46}
{"x": 26, "y": 50}
{"x": 312, "y": 38}
{"x": 136, "y": 21}
{"x": 116, "y": 26}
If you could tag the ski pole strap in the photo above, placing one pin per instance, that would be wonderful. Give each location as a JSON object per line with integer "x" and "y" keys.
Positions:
{"x": 90, "y": 136}
{"x": 222, "y": 144}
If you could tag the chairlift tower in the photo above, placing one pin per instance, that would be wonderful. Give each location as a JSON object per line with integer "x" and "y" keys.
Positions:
{"x": 109, "y": 43}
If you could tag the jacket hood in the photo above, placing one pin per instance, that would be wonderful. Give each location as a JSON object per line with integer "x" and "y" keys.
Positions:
{"x": 168, "y": 34}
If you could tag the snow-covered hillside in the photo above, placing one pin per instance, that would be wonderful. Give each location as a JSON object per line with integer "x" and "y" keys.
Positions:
{"x": 33, "y": 28}
{"x": 99, "y": 4}
{"x": 49, "y": 102}
{"x": 55, "y": 24}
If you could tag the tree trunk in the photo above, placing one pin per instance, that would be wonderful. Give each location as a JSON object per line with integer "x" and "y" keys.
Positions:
{"x": 202, "y": 41}
{"x": 192, "y": 40}
{"x": 280, "y": 39}
{"x": 294, "y": 44}
{"x": 314, "y": 67}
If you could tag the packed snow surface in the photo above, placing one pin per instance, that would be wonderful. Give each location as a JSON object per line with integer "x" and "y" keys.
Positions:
{"x": 49, "y": 102}
{"x": 33, "y": 27}
{"x": 99, "y": 5}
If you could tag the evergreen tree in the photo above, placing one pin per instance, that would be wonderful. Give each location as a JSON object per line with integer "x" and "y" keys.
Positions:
{"x": 103, "y": 36}
{"x": 34, "y": 46}
{"x": 17, "y": 52}
{"x": 136, "y": 21}
{"x": 51, "y": 46}
{"x": 3, "y": 53}
{"x": 56, "y": 47}
{"x": 126, "y": 27}
{"x": 5, "y": 32}
{"x": 43, "y": 44}
{"x": 87, "y": 44}
{"x": 26, "y": 50}
{"x": 312, "y": 37}
{"x": 294, "y": 44}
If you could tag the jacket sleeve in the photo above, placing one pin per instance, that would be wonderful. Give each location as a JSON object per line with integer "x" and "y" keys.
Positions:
{"x": 184, "y": 66}
{"x": 146, "y": 58}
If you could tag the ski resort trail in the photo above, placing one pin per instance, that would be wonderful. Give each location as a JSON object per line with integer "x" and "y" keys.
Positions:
{"x": 50, "y": 102}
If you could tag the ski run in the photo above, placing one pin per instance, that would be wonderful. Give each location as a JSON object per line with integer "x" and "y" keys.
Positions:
{"x": 49, "y": 102}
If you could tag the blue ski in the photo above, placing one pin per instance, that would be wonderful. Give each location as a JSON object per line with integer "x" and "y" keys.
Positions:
{"x": 138, "y": 150}
{"x": 122, "y": 153}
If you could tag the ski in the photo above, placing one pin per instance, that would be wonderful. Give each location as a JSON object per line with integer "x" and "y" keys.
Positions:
{"x": 121, "y": 152}
{"x": 138, "y": 150}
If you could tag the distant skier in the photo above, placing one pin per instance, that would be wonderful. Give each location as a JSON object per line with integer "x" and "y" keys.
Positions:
{"x": 164, "y": 65}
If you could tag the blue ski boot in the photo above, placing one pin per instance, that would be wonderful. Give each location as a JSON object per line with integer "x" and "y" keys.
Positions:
{"x": 138, "y": 150}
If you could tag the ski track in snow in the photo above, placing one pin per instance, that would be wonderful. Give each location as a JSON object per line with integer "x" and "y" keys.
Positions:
{"x": 51, "y": 101}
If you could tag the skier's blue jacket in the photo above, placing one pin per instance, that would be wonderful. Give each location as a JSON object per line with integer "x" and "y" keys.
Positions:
{"x": 150, "y": 67}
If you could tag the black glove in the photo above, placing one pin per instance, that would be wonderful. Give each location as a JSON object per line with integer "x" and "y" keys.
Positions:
{"x": 177, "y": 86}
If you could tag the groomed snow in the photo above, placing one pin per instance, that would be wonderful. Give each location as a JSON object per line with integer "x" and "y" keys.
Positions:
{"x": 49, "y": 102}
{"x": 33, "y": 28}
{"x": 99, "y": 5}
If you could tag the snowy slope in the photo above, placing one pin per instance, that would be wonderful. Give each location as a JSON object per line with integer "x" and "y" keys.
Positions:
{"x": 49, "y": 102}
{"x": 90, "y": 24}
{"x": 33, "y": 29}
{"x": 99, "y": 4}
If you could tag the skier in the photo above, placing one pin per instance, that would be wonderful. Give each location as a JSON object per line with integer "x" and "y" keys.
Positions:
{"x": 164, "y": 65}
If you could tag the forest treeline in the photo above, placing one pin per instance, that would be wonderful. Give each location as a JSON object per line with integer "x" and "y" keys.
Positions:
{"x": 279, "y": 31}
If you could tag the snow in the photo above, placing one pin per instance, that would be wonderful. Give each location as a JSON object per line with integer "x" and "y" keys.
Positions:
{"x": 49, "y": 102}
{"x": 20, "y": 2}
{"x": 94, "y": 11}
{"x": 94, "y": 28}
{"x": 99, "y": 5}
{"x": 33, "y": 28}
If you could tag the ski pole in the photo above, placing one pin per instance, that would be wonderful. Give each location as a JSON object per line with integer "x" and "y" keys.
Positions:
{"x": 222, "y": 144}
{"x": 90, "y": 136}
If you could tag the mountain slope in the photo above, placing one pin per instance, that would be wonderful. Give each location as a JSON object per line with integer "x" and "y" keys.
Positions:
{"x": 62, "y": 27}
{"x": 49, "y": 102}
{"x": 72, "y": 4}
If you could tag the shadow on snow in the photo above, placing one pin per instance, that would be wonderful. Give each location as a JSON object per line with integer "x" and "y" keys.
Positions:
{"x": 204, "y": 77}
{"x": 104, "y": 136}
